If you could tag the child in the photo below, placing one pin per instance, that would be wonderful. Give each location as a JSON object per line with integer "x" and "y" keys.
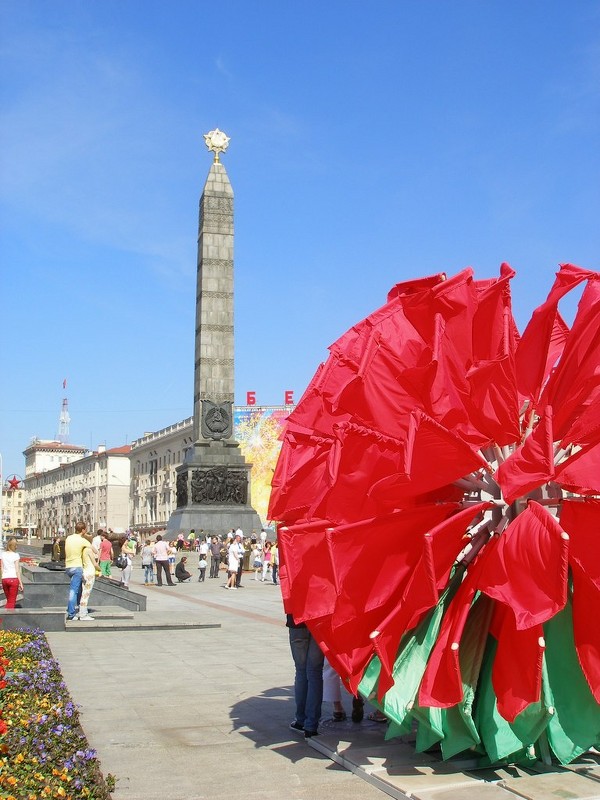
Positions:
{"x": 202, "y": 567}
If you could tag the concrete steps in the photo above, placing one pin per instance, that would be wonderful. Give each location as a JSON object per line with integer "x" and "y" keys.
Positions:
{"x": 136, "y": 624}
{"x": 117, "y": 619}
{"x": 45, "y": 588}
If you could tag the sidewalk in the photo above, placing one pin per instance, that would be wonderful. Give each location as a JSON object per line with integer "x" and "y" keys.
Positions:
{"x": 190, "y": 714}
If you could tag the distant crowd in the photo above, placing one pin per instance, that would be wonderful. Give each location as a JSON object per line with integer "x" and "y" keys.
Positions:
{"x": 87, "y": 557}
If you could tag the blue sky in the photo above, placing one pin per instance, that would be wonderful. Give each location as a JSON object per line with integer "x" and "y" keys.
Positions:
{"x": 370, "y": 143}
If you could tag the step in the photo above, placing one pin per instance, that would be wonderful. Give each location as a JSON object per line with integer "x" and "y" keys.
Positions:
{"x": 136, "y": 624}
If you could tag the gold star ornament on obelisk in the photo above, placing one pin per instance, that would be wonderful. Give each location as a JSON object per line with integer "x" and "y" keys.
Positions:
{"x": 217, "y": 142}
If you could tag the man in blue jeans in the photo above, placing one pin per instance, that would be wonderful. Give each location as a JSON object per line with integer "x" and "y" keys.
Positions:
{"x": 75, "y": 544}
{"x": 308, "y": 683}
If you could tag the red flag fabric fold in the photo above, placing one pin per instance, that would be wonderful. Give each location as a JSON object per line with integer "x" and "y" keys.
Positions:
{"x": 533, "y": 544}
{"x": 517, "y": 670}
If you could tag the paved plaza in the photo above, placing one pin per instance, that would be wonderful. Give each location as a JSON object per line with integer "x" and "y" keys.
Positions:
{"x": 188, "y": 714}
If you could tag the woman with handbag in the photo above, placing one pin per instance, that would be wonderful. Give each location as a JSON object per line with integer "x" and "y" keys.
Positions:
{"x": 128, "y": 549}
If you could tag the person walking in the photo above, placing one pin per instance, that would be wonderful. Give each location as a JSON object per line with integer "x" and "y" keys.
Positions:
{"x": 128, "y": 549}
{"x": 56, "y": 549}
{"x": 90, "y": 563}
{"x": 255, "y": 558}
{"x": 160, "y": 551}
{"x": 97, "y": 541}
{"x": 274, "y": 562}
{"x": 75, "y": 544}
{"x": 106, "y": 554}
{"x": 10, "y": 570}
{"x": 308, "y": 681}
{"x": 238, "y": 543}
{"x": 266, "y": 559}
{"x": 172, "y": 555}
{"x": 215, "y": 557}
{"x": 202, "y": 567}
{"x": 147, "y": 563}
{"x": 233, "y": 564}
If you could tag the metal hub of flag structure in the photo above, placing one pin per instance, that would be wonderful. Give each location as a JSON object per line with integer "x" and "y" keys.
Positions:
{"x": 438, "y": 492}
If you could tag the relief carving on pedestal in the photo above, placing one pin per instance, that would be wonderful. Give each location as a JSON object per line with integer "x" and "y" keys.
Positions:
{"x": 182, "y": 492}
{"x": 219, "y": 485}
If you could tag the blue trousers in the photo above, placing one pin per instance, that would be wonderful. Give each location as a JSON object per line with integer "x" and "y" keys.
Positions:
{"x": 308, "y": 683}
{"x": 76, "y": 576}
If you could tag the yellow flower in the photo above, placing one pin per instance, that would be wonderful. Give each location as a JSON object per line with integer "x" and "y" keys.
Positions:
{"x": 19, "y": 758}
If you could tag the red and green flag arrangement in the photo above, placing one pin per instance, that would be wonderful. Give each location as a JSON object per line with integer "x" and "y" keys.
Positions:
{"x": 438, "y": 493}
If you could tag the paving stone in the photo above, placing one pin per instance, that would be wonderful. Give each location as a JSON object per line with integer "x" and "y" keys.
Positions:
{"x": 555, "y": 785}
{"x": 485, "y": 791}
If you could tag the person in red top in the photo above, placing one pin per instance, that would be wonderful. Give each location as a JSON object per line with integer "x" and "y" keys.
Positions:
{"x": 106, "y": 555}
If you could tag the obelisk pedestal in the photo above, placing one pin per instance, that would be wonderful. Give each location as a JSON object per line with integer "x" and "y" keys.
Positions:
{"x": 213, "y": 483}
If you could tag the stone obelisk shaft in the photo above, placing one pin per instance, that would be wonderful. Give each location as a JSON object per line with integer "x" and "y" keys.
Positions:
{"x": 214, "y": 352}
{"x": 213, "y": 482}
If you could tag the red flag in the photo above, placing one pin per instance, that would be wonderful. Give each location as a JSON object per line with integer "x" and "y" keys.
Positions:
{"x": 517, "y": 670}
{"x": 440, "y": 548}
{"x": 533, "y": 544}
{"x": 532, "y": 464}
{"x": 543, "y": 338}
{"x": 582, "y": 522}
{"x": 576, "y": 380}
{"x": 435, "y": 457}
{"x": 442, "y": 682}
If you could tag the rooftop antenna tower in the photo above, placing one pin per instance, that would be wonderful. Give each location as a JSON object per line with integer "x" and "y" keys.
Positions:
{"x": 64, "y": 419}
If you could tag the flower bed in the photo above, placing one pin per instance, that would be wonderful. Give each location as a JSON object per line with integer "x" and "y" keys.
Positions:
{"x": 43, "y": 750}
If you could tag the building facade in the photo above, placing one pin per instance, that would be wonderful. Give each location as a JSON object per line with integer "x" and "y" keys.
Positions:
{"x": 156, "y": 456}
{"x": 154, "y": 459}
{"x": 134, "y": 487}
{"x": 88, "y": 486}
{"x": 13, "y": 509}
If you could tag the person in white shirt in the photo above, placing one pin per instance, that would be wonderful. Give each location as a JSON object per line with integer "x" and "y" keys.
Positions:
{"x": 97, "y": 541}
{"x": 10, "y": 569}
{"x": 161, "y": 552}
{"x": 234, "y": 561}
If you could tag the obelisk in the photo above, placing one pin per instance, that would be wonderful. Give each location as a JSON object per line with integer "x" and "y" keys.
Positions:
{"x": 213, "y": 483}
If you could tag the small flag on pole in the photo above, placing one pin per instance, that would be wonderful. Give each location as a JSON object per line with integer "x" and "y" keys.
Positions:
{"x": 65, "y": 383}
